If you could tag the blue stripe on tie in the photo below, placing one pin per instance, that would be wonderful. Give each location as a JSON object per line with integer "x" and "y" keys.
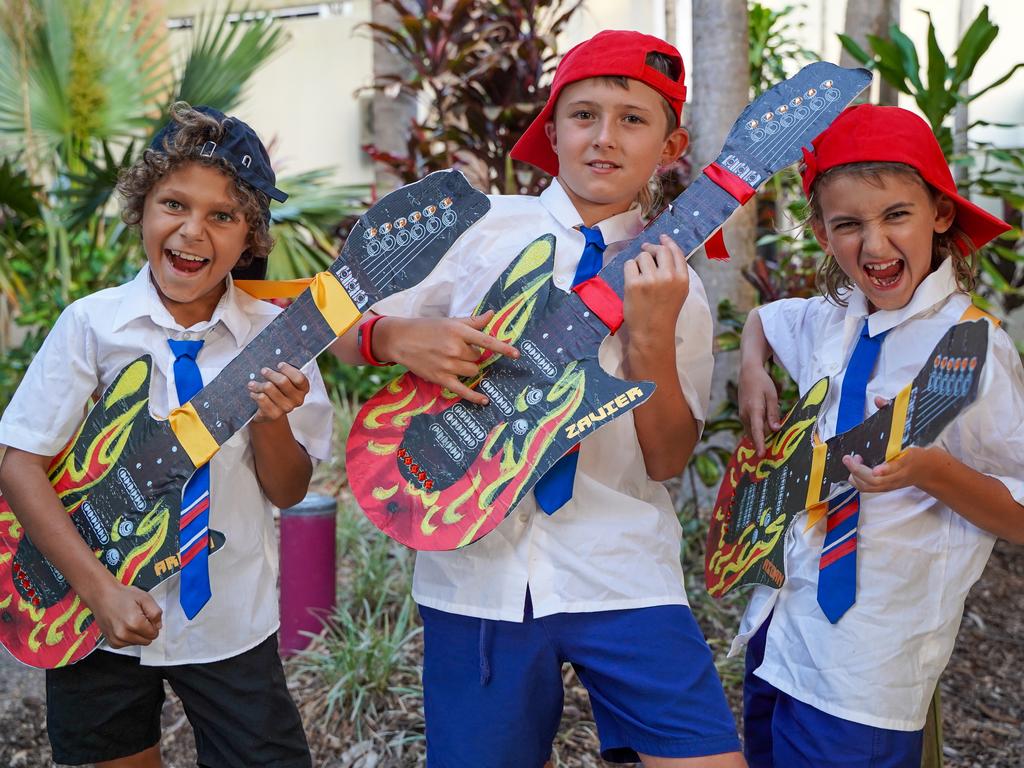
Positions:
{"x": 554, "y": 488}
{"x": 837, "y": 581}
{"x": 194, "y": 590}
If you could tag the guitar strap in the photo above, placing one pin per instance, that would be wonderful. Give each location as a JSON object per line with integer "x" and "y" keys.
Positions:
{"x": 817, "y": 507}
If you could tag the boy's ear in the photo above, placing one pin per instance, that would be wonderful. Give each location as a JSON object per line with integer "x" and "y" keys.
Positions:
{"x": 549, "y": 131}
{"x": 945, "y": 213}
{"x": 818, "y": 228}
{"x": 675, "y": 144}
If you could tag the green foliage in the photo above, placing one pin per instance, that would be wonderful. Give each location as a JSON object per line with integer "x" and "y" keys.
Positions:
{"x": 478, "y": 69}
{"x": 85, "y": 86}
{"x": 775, "y": 52}
{"x": 364, "y": 648}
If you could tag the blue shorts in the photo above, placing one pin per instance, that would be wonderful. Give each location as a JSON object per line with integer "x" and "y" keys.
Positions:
{"x": 493, "y": 689}
{"x": 781, "y": 732}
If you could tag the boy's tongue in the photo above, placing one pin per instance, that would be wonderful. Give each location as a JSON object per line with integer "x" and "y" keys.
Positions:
{"x": 186, "y": 265}
{"x": 888, "y": 273}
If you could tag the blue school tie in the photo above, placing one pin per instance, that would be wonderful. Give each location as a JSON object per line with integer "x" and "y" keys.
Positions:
{"x": 554, "y": 488}
{"x": 837, "y": 568}
{"x": 193, "y": 533}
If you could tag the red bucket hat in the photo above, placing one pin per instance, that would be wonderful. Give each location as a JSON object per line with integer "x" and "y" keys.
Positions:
{"x": 868, "y": 132}
{"x": 612, "y": 53}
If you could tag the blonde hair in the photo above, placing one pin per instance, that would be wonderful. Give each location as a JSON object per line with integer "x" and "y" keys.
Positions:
{"x": 835, "y": 284}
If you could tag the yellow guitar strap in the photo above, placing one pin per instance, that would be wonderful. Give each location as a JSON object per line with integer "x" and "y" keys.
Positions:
{"x": 274, "y": 289}
{"x": 816, "y": 509}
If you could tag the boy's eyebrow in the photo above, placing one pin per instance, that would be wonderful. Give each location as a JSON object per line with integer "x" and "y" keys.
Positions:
{"x": 229, "y": 205}
{"x": 586, "y": 103}
{"x": 851, "y": 217}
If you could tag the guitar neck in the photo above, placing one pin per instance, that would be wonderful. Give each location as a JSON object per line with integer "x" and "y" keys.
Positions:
{"x": 690, "y": 220}
{"x": 296, "y": 336}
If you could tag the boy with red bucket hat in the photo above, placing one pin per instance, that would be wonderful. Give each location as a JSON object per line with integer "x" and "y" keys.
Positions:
{"x": 843, "y": 660}
{"x": 598, "y": 582}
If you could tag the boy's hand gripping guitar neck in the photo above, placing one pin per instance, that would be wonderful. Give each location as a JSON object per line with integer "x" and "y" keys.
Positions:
{"x": 436, "y": 472}
{"x": 121, "y": 477}
{"x": 759, "y": 498}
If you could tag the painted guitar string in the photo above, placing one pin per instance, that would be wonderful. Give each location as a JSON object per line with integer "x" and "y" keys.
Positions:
{"x": 418, "y": 245}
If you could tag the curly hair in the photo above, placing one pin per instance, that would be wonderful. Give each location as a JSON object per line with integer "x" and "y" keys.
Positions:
{"x": 835, "y": 284}
{"x": 136, "y": 181}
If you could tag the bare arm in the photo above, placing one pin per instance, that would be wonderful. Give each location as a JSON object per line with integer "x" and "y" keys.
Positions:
{"x": 282, "y": 465}
{"x": 126, "y": 615}
{"x": 657, "y": 284}
{"x": 980, "y": 498}
{"x": 758, "y": 398}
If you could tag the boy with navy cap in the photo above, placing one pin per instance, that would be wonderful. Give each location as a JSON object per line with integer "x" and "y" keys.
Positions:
{"x": 200, "y": 195}
{"x": 586, "y": 571}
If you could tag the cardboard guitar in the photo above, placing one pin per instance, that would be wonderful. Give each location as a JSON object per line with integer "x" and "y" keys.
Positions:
{"x": 121, "y": 476}
{"x": 759, "y": 498}
{"x": 436, "y": 472}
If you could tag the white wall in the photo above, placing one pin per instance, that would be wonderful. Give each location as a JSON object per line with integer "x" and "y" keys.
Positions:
{"x": 303, "y": 103}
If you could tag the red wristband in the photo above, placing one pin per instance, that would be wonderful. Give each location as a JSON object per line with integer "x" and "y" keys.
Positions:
{"x": 364, "y": 338}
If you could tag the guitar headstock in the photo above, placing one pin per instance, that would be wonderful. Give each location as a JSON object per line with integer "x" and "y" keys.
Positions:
{"x": 771, "y": 131}
{"x": 400, "y": 240}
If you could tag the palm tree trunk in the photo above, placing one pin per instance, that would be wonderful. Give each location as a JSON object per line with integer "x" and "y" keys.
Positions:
{"x": 390, "y": 115}
{"x": 870, "y": 17}
{"x": 720, "y": 91}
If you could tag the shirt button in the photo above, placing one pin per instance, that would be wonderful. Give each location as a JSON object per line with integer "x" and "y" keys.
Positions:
{"x": 524, "y": 517}
{"x": 186, "y": 335}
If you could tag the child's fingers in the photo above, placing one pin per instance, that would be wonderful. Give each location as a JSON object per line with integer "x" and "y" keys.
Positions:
{"x": 463, "y": 391}
{"x": 294, "y": 375}
{"x": 880, "y": 402}
{"x": 486, "y": 341}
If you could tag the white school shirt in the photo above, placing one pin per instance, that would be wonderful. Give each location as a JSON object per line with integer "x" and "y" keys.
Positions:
{"x": 916, "y": 558}
{"x": 92, "y": 340}
{"x": 616, "y": 544}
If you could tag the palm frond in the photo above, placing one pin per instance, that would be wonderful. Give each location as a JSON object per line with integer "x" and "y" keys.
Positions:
{"x": 226, "y": 50}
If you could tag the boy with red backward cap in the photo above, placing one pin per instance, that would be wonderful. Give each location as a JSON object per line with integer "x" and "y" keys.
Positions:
{"x": 587, "y": 571}
{"x": 843, "y": 659}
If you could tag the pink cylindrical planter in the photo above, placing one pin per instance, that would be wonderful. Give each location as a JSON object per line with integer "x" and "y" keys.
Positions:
{"x": 307, "y": 569}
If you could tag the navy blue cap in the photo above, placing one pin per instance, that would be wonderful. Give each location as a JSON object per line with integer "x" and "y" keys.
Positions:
{"x": 239, "y": 146}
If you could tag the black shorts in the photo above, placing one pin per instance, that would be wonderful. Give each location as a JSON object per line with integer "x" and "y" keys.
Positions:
{"x": 108, "y": 706}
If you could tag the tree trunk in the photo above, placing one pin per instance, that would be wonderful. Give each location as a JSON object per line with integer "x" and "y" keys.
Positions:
{"x": 871, "y": 17}
{"x": 390, "y": 115}
{"x": 960, "y": 115}
{"x": 721, "y": 90}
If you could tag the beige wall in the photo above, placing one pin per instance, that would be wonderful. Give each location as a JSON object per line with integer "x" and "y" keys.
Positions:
{"x": 304, "y": 101}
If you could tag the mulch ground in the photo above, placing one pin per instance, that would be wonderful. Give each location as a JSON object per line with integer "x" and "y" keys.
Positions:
{"x": 982, "y": 691}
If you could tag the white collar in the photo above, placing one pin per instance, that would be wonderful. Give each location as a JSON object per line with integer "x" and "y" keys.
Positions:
{"x": 933, "y": 290}
{"x": 142, "y": 300}
{"x": 621, "y": 226}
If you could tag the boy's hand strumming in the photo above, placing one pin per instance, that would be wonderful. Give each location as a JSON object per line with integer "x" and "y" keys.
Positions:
{"x": 440, "y": 350}
{"x": 283, "y": 391}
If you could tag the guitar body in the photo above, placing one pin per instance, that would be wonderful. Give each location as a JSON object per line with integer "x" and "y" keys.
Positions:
{"x": 121, "y": 477}
{"x": 435, "y": 472}
{"x": 120, "y": 481}
{"x": 759, "y": 498}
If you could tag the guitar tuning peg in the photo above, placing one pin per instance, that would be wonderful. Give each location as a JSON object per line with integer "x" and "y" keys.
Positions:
{"x": 811, "y": 93}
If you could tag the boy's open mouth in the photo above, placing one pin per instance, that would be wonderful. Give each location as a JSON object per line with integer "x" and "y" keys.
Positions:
{"x": 884, "y": 274}
{"x": 185, "y": 262}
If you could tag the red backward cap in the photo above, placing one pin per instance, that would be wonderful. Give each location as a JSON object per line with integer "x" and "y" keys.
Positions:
{"x": 868, "y": 133}
{"x": 607, "y": 54}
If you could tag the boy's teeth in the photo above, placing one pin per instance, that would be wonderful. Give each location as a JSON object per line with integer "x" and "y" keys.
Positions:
{"x": 878, "y": 266}
{"x": 186, "y": 256}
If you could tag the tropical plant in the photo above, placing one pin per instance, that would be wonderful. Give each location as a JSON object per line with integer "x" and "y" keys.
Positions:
{"x": 85, "y": 86}
{"x": 480, "y": 71}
